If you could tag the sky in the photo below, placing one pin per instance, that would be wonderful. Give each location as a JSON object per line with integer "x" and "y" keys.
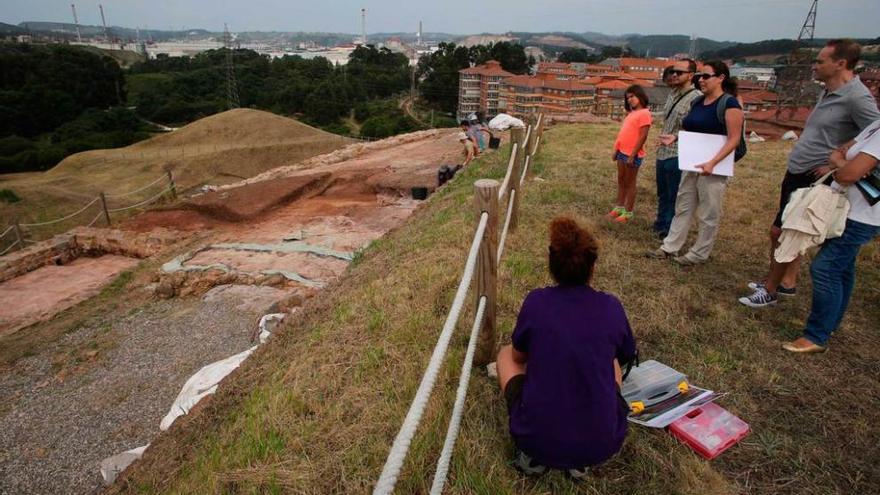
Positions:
{"x": 722, "y": 20}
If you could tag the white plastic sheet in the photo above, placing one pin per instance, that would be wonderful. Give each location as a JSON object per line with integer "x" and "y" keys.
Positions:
{"x": 199, "y": 386}
{"x": 755, "y": 138}
{"x": 202, "y": 384}
{"x": 112, "y": 466}
{"x": 502, "y": 121}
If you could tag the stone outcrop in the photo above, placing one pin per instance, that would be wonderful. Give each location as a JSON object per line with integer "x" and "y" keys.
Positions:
{"x": 84, "y": 241}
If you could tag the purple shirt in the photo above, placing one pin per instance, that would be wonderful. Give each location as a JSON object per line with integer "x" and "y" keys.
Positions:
{"x": 570, "y": 413}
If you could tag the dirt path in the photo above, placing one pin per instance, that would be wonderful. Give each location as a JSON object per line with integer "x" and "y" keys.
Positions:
{"x": 104, "y": 388}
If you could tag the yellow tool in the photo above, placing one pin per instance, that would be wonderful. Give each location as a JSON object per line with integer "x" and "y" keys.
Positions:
{"x": 683, "y": 387}
{"x": 637, "y": 407}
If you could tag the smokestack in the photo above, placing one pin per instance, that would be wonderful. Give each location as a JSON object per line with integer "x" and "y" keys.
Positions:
{"x": 76, "y": 23}
{"x": 364, "y": 26}
{"x": 420, "y": 34}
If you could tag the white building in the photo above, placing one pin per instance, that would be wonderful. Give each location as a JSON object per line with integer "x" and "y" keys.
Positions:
{"x": 765, "y": 76}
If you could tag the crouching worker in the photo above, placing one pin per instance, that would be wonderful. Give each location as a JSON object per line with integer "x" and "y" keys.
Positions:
{"x": 561, "y": 377}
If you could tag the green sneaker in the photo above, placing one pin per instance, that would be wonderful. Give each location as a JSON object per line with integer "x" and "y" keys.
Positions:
{"x": 616, "y": 212}
{"x": 624, "y": 217}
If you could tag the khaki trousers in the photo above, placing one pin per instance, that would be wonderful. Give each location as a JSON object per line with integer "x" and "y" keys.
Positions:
{"x": 703, "y": 195}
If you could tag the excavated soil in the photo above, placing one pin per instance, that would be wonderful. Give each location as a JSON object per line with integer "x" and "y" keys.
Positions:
{"x": 40, "y": 294}
{"x": 103, "y": 387}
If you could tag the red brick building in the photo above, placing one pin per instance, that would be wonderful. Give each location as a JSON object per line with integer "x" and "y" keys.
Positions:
{"x": 524, "y": 95}
{"x": 478, "y": 89}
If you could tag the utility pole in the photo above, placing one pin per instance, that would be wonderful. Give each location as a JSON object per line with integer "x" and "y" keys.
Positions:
{"x": 76, "y": 23}
{"x": 794, "y": 82}
{"x": 231, "y": 87}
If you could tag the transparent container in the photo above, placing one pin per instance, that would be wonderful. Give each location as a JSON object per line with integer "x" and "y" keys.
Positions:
{"x": 709, "y": 430}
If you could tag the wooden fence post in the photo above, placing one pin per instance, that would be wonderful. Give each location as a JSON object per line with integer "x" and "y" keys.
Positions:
{"x": 19, "y": 237}
{"x": 486, "y": 199}
{"x": 513, "y": 185}
{"x": 173, "y": 187}
{"x": 516, "y": 135}
{"x": 104, "y": 207}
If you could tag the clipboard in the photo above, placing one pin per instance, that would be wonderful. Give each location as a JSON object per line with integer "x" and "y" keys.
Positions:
{"x": 695, "y": 148}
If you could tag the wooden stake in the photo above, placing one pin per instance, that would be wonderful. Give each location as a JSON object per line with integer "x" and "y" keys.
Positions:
{"x": 516, "y": 135}
{"x": 104, "y": 207}
{"x": 19, "y": 237}
{"x": 486, "y": 199}
{"x": 173, "y": 187}
{"x": 514, "y": 186}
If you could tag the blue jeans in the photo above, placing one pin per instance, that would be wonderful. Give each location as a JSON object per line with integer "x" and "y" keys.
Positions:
{"x": 834, "y": 274}
{"x": 668, "y": 178}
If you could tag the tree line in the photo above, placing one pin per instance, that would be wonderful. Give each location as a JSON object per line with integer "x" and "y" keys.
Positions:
{"x": 58, "y": 100}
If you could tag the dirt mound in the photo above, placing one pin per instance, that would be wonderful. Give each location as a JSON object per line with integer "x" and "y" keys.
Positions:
{"x": 241, "y": 126}
{"x": 247, "y": 202}
{"x": 219, "y": 149}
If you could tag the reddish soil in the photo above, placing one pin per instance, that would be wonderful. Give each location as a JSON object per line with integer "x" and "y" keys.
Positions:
{"x": 43, "y": 293}
{"x": 340, "y": 205}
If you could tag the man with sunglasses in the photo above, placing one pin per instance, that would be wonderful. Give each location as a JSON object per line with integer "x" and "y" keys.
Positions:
{"x": 844, "y": 109}
{"x": 678, "y": 104}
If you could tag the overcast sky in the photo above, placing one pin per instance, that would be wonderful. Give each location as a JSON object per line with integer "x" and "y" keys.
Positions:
{"x": 735, "y": 20}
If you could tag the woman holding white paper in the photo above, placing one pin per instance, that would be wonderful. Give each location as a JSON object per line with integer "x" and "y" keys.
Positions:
{"x": 703, "y": 192}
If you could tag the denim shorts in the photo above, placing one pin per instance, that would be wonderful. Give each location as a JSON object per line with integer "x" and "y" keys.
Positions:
{"x": 623, "y": 158}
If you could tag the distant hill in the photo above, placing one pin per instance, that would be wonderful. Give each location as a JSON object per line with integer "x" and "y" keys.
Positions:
{"x": 10, "y": 29}
{"x": 666, "y": 45}
{"x": 68, "y": 30}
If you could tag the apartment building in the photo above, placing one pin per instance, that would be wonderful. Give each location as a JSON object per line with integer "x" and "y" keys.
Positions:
{"x": 479, "y": 89}
{"x": 524, "y": 95}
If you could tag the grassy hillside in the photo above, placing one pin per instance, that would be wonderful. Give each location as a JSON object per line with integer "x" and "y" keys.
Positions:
{"x": 222, "y": 148}
{"x": 316, "y": 409}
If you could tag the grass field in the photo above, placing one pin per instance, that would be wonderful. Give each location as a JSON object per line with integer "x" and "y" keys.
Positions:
{"x": 316, "y": 410}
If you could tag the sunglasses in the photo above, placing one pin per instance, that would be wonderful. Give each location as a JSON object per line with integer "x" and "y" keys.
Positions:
{"x": 701, "y": 77}
{"x": 679, "y": 72}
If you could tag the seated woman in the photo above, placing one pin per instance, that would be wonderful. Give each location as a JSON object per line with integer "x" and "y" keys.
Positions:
{"x": 561, "y": 376}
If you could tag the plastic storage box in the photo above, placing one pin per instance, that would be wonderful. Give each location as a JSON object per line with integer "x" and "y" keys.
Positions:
{"x": 709, "y": 430}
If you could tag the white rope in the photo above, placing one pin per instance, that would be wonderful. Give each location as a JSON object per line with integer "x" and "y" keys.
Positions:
{"x": 142, "y": 203}
{"x": 525, "y": 171}
{"x": 8, "y": 230}
{"x": 506, "y": 180}
{"x": 506, "y": 225}
{"x": 396, "y": 456}
{"x": 101, "y": 214}
{"x": 458, "y": 408}
{"x": 50, "y": 222}
{"x": 129, "y": 193}
{"x": 537, "y": 142}
{"x": 10, "y": 247}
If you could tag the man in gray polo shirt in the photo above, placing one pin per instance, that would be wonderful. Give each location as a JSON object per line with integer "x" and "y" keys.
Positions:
{"x": 844, "y": 109}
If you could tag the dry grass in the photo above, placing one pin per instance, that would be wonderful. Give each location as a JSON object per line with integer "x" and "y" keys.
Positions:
{"x": 316, "y": 410}
{"x": 219, "y": 149}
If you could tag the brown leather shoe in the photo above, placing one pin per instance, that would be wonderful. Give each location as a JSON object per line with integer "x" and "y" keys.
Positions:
{"x": 803, "y": 346}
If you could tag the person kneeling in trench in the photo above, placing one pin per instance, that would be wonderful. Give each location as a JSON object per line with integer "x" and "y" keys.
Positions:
{"x": 561, "y": 377}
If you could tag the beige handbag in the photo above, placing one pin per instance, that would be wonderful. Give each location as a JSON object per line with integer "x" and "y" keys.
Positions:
{"x": 820, "y": 206}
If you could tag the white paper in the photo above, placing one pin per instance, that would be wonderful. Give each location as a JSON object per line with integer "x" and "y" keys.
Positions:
{"x": 696, "y": 148}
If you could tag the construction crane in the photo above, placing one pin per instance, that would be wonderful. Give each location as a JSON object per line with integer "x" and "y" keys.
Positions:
{"x": 794, "y": 83}
{"x": 76, "y": 23}
{"x": 231, "y": 87}
{"x": 104, "y": 23}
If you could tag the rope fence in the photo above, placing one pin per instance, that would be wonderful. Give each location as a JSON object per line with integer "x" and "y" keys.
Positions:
{"x": 22, "y": 231}
{"x": 481, "y": 266}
